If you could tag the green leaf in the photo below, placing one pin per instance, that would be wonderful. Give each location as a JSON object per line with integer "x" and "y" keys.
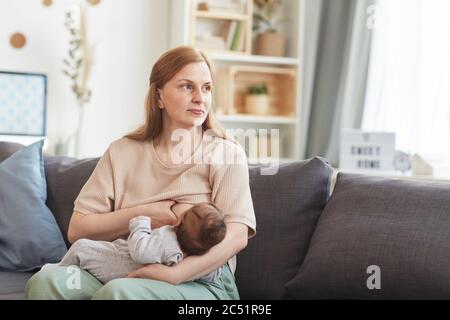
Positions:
{"x": 258, "y": 89}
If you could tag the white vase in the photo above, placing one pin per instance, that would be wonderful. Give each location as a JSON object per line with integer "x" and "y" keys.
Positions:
{"x": 61, "y": 148}
{"x": 257, "y": 104}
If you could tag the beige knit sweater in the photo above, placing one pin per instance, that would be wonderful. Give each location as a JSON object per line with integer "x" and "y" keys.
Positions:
{"x": 130, "y": 173}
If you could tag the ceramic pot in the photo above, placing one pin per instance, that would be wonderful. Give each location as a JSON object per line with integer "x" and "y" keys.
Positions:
{"x": 271, "y": 44}
{"x": 257, "y": 104}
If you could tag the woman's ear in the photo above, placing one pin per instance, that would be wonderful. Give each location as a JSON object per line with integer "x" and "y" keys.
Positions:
{"x": 160, "y": 103}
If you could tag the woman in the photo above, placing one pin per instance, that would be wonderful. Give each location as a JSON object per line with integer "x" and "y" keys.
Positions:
{"x": 144, "y": 173}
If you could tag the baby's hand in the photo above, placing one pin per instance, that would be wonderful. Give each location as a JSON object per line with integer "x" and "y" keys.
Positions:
{"x": 139, "y": 222}
{"x": 142, "y": 218}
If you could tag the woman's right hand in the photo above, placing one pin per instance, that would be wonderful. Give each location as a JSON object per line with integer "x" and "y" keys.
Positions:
{"x": 160, "y": 213}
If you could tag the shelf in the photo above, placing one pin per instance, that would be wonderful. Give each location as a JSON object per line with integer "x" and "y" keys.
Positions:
{"x": 256, "y": 119}
{"x": 233, "y": 83}
{"x": 237, "y": 57}
{"x": 231, "y": 23}
{"x": 212, "y": 53}
{"x": 220, "y": 15}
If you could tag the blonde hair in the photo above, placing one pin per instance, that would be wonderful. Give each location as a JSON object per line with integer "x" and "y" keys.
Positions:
{"x": 167, "y": 66}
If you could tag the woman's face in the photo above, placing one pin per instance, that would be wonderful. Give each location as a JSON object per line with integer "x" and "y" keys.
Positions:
{"x": 186, "y": 98}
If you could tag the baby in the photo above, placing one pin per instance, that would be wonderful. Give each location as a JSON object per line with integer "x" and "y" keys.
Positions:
{"x": 200, "y": 228}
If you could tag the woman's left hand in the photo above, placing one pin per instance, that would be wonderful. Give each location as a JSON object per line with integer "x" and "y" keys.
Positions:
{"x": 155, "y": 272}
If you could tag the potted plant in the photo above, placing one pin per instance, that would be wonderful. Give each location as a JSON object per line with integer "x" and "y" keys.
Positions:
{"x": 257, "y": 100}
{"x": 77, "y": 66}
{"x": 266, "y": 21}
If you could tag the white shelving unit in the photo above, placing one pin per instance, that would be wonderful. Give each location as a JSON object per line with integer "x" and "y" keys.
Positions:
{"x": 254, "y": 59}
{"x": 290, "y": 127}
{"x": 256, "y": 119}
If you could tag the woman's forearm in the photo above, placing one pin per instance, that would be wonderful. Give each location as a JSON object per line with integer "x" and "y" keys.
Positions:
{"x": 103, "y": 226}
{"x": 194, "y": 267}
{"x": 112, "y": 225}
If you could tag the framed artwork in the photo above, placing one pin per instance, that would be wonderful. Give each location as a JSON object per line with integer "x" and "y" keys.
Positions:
{"x": 23, "y": 103}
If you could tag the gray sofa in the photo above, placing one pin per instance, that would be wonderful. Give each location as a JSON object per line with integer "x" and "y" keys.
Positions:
{"x": 310, "y": 245}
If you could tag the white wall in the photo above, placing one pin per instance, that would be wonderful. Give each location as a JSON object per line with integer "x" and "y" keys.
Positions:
{"x": 128, "y": 35}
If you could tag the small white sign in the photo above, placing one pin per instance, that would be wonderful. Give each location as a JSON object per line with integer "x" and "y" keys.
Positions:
{"x": 361, "y": 150}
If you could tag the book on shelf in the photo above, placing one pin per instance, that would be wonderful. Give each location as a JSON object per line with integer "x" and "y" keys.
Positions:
{"x": 235, "y": 37}
{"x": 237, "y": 34}
{"x": 241, "y": 40}
{"x": 230, "y": 35}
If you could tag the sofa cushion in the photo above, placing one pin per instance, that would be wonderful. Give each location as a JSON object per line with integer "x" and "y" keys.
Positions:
{"x": 65, "y": 178}
{"x": 13, "y": 284}
{"x": 8, "y": 148}
{"x": 389, "y": 235}
{"x": 29, "y": 235}
{"x": 287, "y": 207}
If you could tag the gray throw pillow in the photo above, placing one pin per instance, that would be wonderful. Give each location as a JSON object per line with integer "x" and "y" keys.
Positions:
{"x": 379, "y": 238}
{"x": 287, "y": 207}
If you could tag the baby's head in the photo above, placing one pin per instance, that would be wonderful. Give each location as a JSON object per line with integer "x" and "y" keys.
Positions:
{"x": 201, "y": 228}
